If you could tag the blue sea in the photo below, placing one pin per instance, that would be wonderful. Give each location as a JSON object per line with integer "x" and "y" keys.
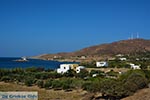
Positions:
{"x": 8, "y": 62}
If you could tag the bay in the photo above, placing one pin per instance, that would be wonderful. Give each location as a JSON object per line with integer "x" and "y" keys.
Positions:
{"x": 9, "y": 62}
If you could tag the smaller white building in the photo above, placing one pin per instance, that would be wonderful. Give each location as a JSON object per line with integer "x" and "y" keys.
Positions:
{"x": 102, "y": 64}
{"x": 94, "y": 75}
{"x": 123, "y": 59}
{"x": 133, "y": 66}
{"x": 119, "y": 55}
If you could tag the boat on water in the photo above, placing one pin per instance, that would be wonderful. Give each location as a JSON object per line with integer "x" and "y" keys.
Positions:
{"x": 23, "y": 59}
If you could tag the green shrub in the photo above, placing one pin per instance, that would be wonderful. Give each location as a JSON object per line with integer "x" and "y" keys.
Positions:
{"x": 6, "y": 79}
{"x": 48, "y": 83}
{"x": 137, "y": 79}
{"x": 31, "y": 69}
{"x": 57, "y": 84}
{"x": 42, "y": 75}
{"x": 147, "y": 74}
{"x": 83, "y": 73}
{"x": 29, "y": 81}
{"x": 67, "y": 83}
{"x": 87, "y": 86}
{"x": 130, "y": 88}
{"x": 92, "y": 85}
{"x": 112, "y": 73}
{"x": 112, "y": 88}
{"x": 70, "y": 73}
{"x": 77, "y": 83}
{"x": 54, "y": 75}
{"x": 17, "y": 71}
{"x": 40, "y": 83}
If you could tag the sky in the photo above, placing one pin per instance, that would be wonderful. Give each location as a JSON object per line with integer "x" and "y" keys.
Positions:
{"x": 34, "y": 27}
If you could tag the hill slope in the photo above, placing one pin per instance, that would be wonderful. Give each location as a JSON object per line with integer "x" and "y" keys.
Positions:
{"x": 122, "y": 47}
{"x": 119, "y": 47}
{"x": 143, "y": 94}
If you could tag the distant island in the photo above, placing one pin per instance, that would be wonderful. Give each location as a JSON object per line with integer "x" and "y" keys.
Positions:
{"x": 23, "y": 59}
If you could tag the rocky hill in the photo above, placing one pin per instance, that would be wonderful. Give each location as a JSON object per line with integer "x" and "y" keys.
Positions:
{"x": 119, "y": 47}
{"x": 109, "y": 49}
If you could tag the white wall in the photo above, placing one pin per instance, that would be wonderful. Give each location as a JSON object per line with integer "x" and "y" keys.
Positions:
{"x": 101, "y": 64}
{"x": 63, "y": 68}
{"x": 133, "y": 66}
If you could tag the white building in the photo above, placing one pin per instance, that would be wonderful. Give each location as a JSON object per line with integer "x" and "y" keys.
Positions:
{"x": 94, "y": 75}
{"x": 119, "y": 55}
{"x": 102, "y": 64}
{"x": 123, "y": 59}
{"x": 65, "y": 67}
{"x": 133, "y": 66}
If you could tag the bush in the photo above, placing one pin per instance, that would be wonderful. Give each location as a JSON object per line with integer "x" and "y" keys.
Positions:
{"x": 42, "y": 75}
{"x": 70, "y": 73}
{"x": 77, "y": 83}
{"x": 83, "y": 73}
{"x": 31, "y": 69}
{"x": 4, "y": 72}
{"x": 66, "y": 86}
{"x": 130, "y": 88}
{"x": 29, "y": 81}
{"x": 54, "y": 75}
{"x": 40, "y": 83}
{"x": 137, "y": 79}
{"x": 112, "y": 88}
{"x": 67, "y": 83}
{"x": 6, "y": 79}
{"x": 92, "y": 85}
{"x": 133, "y": 80}
{"x": 87, "y": 86}
{"x": 17, "y": 71}
{"x": 112, "y": 73}
{"x": 147, "y": 74}
{"x": 64, "y": 83}
{"x": 144, "y": 65}
{"x": 18, "y": 77}
{"x": 48, "y": 83}
{"x": 57, "y": 84}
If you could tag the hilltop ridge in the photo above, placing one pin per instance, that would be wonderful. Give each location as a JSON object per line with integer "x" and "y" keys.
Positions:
{"x": 107, "y": 49}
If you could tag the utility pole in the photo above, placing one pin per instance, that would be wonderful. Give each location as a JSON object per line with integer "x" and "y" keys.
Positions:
{"x": 137, "y": 35}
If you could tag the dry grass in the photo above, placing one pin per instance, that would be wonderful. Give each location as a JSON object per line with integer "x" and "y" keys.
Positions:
{"x": 42, "y": 93}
